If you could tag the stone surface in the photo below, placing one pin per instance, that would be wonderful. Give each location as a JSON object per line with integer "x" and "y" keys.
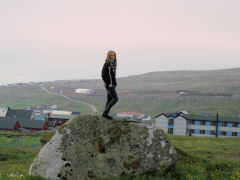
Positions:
{"x": 93, "y": 146}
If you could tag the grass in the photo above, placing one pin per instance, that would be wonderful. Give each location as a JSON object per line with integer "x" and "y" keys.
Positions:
{"x": 24, "y": 96}
{"x": 199, "y": 158}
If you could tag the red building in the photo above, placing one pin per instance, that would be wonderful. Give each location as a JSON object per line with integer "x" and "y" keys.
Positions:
{"x": 58, "y": 119}
{"x": 9, "y": 125}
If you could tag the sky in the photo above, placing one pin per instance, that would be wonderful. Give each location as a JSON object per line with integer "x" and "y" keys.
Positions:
{"x": 44, "y": 40}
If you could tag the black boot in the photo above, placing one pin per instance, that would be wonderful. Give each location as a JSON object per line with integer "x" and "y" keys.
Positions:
{"x": 106, "y": 115}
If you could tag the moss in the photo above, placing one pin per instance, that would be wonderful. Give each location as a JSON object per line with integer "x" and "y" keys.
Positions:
{"x": 134, "y": 164}
{"x": 99, "y": 145}
{"x": 66, "y": 172}
{"x": 116, "y": 132}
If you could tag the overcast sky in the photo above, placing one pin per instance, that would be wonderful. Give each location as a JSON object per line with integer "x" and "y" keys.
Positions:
{"x": 43, "y": 40}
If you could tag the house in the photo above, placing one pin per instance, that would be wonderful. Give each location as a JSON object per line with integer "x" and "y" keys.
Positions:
{"x": 38, "y": 117}
{"x": 130, "y": 115}
{"x": 33, "y": 125}
{"x": 198, "y": 125}
{"x": 146, "y": 118}
{"x": 58, "y": 119}
{"x": 19, "y": 113}
{"x": 24, "y": 120}
{"x": 61, "y": 112}
{"x": 11, "y": 125}
{"x": 84, "y": 91}
{"x": 3, "y": 112}
{"x": 26, "y": 125}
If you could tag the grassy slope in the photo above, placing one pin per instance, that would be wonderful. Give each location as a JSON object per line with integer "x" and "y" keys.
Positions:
{"x": 140, "y": 97}
{"x": 22, "y": 97}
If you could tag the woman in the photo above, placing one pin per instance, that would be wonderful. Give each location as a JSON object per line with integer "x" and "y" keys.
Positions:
{"x": 109, "y": 78}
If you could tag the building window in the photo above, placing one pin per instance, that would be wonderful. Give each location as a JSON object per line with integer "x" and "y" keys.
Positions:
{"x": 234, "y": 124}
{"x": 191, "y": 131}
{"x": 170, "y": 121}
{"x": 170, "y": 130}
{"x": 224, "y": 124}
{"x": 212, "y": 132}
{"x": 202, "y": 131}
{"x": 234, "y": 133}
{"x": 213, "y": 123}
{"x": 192, "y": 122}
{"x": 223, "y": 133}
{"x": 202, "y": 123}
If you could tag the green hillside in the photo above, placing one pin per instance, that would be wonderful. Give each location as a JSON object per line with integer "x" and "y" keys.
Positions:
{"x": 208, "y": 91}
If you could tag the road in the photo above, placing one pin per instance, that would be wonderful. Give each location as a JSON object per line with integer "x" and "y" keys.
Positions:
{"x": 94, "y": 109}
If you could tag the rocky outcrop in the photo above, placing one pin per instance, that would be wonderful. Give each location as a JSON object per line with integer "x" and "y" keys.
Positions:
{"x": 93, "y": 146}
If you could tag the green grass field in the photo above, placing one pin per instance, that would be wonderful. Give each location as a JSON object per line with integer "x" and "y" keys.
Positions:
{"x": 22, "y": 97}
{"x": 198, "y": 159}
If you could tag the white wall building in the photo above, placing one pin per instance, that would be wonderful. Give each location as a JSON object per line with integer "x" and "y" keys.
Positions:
{"x": 84, "y": 91}
{"x": 3, "y": 112}
{"x": 198, "y": 125}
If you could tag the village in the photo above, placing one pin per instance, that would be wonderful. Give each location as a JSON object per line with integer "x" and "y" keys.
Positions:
{"x": 49, "y": 117}
{"x": 43, "y": 118}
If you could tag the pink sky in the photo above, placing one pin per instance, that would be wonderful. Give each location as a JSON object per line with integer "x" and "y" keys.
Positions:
{"x": 56, "y": 39}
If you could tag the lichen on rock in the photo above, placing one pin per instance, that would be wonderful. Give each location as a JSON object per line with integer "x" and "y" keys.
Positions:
{"x": 93, "y": 146}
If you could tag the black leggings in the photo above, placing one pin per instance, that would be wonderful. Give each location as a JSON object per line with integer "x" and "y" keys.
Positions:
{"x": 112, "y": 98}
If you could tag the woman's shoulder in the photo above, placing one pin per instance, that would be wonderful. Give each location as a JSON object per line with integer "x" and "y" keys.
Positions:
{"x": 106, "y": 64}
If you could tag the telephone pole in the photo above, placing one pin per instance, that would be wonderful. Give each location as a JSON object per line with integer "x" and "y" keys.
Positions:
{"x": 216, "y": 134}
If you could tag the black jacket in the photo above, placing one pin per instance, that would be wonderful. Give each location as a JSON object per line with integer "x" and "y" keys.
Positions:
{"x": 108, "y": 75}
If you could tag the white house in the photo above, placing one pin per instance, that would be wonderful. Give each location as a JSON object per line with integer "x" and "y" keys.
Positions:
{"x": 198, "y": 125}
{"x": 84, "y": 91}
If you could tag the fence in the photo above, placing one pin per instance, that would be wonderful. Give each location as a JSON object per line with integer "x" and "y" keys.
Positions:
{"x": 21, "y": 141}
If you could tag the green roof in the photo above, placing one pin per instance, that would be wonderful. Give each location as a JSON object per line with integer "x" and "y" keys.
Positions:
{"x": 5, "y": 124}
{"x": 211, "y": 118}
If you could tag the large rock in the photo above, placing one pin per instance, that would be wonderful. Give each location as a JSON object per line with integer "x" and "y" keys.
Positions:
{"x": 93, "y": 146}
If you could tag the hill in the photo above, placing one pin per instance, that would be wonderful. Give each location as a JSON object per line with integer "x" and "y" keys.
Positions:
{"x": 200, "y": 91}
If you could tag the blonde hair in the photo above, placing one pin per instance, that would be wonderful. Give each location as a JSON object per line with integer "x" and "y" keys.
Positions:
{"x": 108, "y": 57}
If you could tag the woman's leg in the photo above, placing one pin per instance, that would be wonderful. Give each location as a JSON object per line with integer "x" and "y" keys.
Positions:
{"x": 109, "y": 98}
{"x": 114, "y": 99}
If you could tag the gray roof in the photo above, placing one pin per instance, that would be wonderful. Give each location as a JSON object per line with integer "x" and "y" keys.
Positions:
{"x": 26, "y": 123}
{"x": 32, "y": 123}
{"x": 7, "y": 124}
{"x": 170, "y": 114}
{"x": 211, "y": 118}
{"x": 19, "y": 113}
{"x": 75, "y": 113}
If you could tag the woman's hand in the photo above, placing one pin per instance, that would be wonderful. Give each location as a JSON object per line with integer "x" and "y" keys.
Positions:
{"x": 110, "y": 85}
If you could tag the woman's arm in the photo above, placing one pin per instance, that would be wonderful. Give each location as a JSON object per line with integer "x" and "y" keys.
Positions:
{"x": 105, "y": 74}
